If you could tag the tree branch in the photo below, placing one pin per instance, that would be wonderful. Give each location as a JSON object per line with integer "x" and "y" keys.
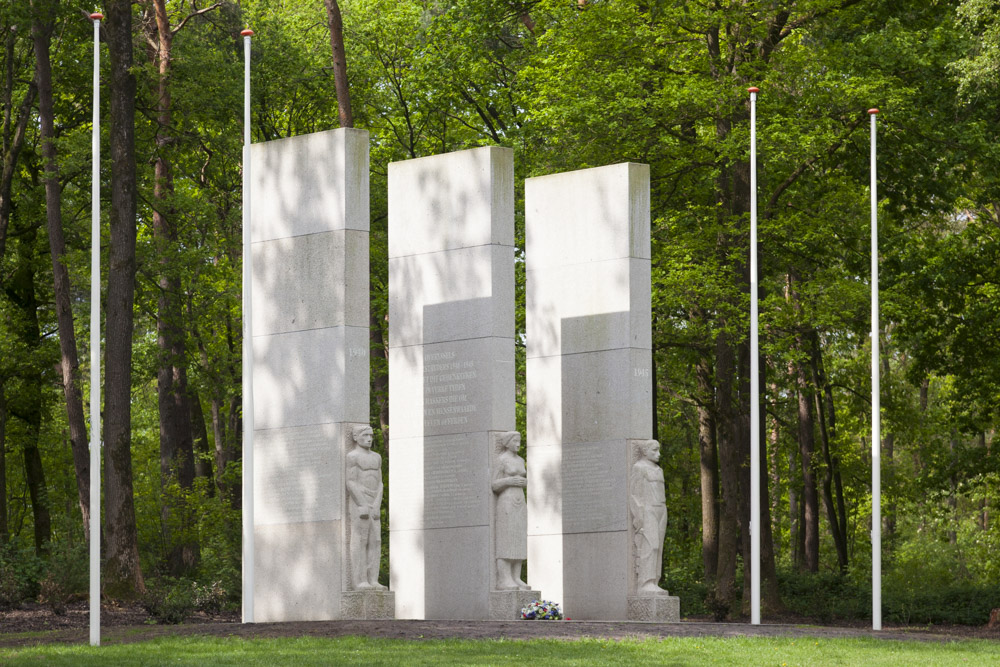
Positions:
{"x": 180, "y": 25}
{"x": 773, "y": 201}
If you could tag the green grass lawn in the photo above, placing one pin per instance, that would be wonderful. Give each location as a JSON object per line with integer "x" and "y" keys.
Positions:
{"x": 781, "y": 652}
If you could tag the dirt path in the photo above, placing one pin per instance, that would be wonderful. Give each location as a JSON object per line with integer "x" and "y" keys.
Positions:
{"x": 35, "y": 626}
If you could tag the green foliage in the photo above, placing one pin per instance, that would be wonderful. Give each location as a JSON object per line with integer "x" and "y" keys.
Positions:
{"x": 67, "y": 574}
{"x": 21, "y": 572}
{"x": 170, "y": 601}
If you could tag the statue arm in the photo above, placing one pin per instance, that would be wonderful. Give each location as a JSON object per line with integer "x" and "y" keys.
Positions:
{"x": 636, "y": 498}
{"x": 377, "y": 505}
{"x": 502, "y": 481}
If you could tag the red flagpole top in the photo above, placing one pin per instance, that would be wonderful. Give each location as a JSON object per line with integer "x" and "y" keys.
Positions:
{"x": 96, "y": 16}
{"x": 753, "y": 90}
{"x": 247, "y": 33}
{"x": 873, "y": 111}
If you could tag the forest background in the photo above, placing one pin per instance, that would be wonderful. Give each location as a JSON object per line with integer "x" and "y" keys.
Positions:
{"x": 566, "y": 84}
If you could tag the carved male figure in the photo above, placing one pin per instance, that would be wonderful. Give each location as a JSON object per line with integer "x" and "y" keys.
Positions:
{"x": 648, "y": 505}
{"x": 364, "y": 493}
{"x": 511, "y": 518}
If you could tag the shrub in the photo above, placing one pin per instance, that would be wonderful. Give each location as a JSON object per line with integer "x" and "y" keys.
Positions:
{"x": 169, "y": 601}
{"x": 210, "y": 599}
{"x": 20, "y": 573}
{"x": 67, "y": 575}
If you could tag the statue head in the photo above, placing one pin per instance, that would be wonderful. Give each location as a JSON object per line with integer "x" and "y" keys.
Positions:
{"x": 509, "y": 440}
{"x": 650, "y": 449}
{"x": 362, "y": 435}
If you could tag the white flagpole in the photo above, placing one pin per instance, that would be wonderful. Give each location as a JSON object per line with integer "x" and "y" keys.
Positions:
{"x": 95, "y": 347}
{"x": 876, "y": 408}
{"x": 248, "y": 562}
{"x": 754, "y": 378}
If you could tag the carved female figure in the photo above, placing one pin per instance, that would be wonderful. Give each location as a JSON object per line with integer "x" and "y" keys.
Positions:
{"x": 511, "y": 518}
{"x": 648, "y": 506}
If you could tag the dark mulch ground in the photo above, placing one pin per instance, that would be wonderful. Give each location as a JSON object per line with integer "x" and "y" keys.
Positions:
{"x": 132, "y": 624}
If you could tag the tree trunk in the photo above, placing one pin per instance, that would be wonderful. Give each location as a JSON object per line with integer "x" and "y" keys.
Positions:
{"x": 336, "y": 25}
{"x": 69, "y": 363}
{"x": 807, "y": 445}
{"x": 4, "y": 529}
{"x": 123, "y": 576}
{"x": 709, "y": 468}
{"x": 826, "y": 435}
{"x": 235, "y": 433}
{"x": 12, "y": 144}
{"x": 770, "y": 595}
{"x": 794, "y": 525}
{"x": 729, "y": 480}
{"x": 21, "y": 292}
{"x": 203, "y": 453}
{"x": 774, "y": 466}
{"x": 888, "y": 450}
{"x": 176, "y": 432}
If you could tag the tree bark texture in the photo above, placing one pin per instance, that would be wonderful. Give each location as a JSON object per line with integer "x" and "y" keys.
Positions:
{"x": 69, "y": 364}
{"x": 123, "y": 577}
{"x": 709, "y": 459}
{"x": 827, "y": 434}
{"x": 13, "y": 139}
{"x": 336, "y": 26}
{"x": 21, "y": 292}
{"x": 4, "y": 528}
{"x": 203, "y": 455}
{"x": 176, "y": 432}
{"x": 807, "y": 445}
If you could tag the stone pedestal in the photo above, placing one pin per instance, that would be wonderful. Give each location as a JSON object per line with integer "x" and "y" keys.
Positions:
{"x": 368, "y": 605}
{"x": 507, "y": 605}
{"x": 589, "y": 378}
{"x": 655, "y": 608}
{"x": 451, "y": 373}
{"x": 309, "y": 234}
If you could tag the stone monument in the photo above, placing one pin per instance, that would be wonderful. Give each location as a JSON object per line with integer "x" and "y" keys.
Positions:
{"x": 509, "y": 594}
{"x": 309, "y": 234}
{"x": 589, "y": 391}
{"x": 648, "y": 513}
{"x": 451, "y": 374}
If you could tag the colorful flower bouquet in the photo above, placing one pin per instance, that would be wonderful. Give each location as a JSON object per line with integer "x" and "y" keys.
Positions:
{"x": 542, "y": 610}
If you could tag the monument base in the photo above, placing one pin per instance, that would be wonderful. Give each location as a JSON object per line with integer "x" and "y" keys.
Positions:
{"x": 655, "y": 608}
{"x": 368, "y": 605}
{"x": 507, "y": 605}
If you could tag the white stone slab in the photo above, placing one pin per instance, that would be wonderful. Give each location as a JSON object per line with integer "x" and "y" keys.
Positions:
{"x": 310, "y": 282}
{"x": 611, "y": 203}
{"x": 584, "y": 572}
{"x": 317, "y": 376}
{"x": 438, "y": 307}
{"x": 295, "y": 568}
{"x": 308, "y": 184}
{"x": 297, "y": 472}
{"x": 442, "y": 469}
{"x": 457, "y": 200}
{"x": 589, "y": 379}
{"x": 451, "y": 379}
{"x": 309, "y": 216}
{"x": 593, "y": 306}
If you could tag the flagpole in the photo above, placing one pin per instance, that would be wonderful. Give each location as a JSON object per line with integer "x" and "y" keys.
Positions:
{"x": 95, "y": 346}
{"x": 754, "y": 378}
{"x": 876, "y": 408}
{"x": 248, "y": 537}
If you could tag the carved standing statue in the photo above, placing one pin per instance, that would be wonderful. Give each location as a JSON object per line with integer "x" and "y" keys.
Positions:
{"x": 648, "y": 505}
{"x": 511, "y": 519}
{"x": 364, "y": 493}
